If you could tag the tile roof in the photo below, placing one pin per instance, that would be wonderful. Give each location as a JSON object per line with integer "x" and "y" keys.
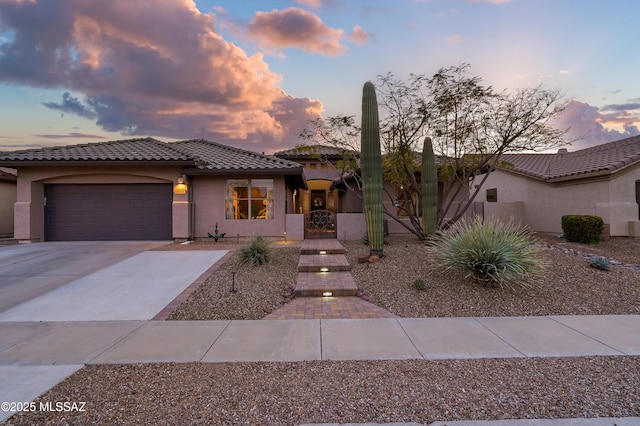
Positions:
{"x": 312, "y": 151}
{"x": 598, "y": 160}
{"x": 213, "y": 156}
{"x": 201, "y": 154}
{"x": 144, "y": 149}
{"x": 8, "y": 174}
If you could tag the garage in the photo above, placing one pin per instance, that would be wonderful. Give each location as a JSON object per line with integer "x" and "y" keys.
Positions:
{"x": 108, "y": 212}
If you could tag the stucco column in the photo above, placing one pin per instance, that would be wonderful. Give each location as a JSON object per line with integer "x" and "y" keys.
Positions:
{"x": 29, "y": 212}
{"x": 182, "y": 208}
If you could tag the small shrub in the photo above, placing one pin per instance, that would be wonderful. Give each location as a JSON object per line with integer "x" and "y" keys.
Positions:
{"x": 494, "y": 253}
{"x": 419, "y": 284}
{"x": 601, "y": 263}
{"x": 256, "y": 252}
{"x": 582, "y": 228}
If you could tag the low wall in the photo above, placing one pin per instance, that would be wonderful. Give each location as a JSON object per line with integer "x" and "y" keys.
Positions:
{"x": 294, "y": 226}
{"x": 350, "y": 226}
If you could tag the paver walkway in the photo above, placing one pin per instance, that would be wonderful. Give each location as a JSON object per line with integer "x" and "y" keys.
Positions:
{"x": 325, "y": 288}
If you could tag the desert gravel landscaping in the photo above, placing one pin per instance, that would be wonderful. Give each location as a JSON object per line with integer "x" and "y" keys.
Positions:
{"x": 569, "y": 287}
{"x": 378, "y": 391}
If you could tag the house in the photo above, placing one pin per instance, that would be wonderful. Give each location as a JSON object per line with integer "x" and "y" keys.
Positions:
{"x": 329, "y": 208}
{"x": 328, "y": 191}
{"x": 144, "y": 189}
{"x": 7, "y": 199}
{"x": 538, "y": 189}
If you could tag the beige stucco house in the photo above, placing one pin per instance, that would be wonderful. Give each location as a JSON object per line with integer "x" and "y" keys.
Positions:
{"x": 144, "y": 189}
{"x": 538, "y": 189}
{"x": 327, "y": 190}
{"x": 7, "y": 199}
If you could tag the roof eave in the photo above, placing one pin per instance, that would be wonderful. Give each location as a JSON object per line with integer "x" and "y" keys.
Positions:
{"x": 579, "y": 176}
{"x": 252, "y": 172}
{"x": 102, "y": 163}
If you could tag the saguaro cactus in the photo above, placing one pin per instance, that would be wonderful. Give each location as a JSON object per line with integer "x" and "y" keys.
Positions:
{"x": 371, "y": 162}
{"x": 429, "y": 189}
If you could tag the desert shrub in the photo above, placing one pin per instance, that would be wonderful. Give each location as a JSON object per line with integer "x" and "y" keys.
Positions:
{"x": 419, "y": 284}
{"x": 492, "y": 252}
{"x": 601, "y": 263}
{"x": 256, "y": 252}
{"x": 582, "y": 228}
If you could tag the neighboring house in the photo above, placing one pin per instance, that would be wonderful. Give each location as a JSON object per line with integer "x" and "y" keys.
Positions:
{"x": 538, "y": 189}
{"x": 144, "y": 189}
{"x": 7, "y": 199}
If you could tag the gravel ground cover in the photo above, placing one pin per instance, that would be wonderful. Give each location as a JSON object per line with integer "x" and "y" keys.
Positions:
{"x": 349, "y": 391}
{"x": 569, "y": 287}
{"x": 257, "y": 287}
{"x": 377, "y": 391}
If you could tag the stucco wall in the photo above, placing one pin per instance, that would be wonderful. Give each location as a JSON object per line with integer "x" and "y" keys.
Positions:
{"x": 611, "y": 197}
{"x": 8, "y": 194}
{"x": 208, "y": 194}
{"x": 350, "y": 226}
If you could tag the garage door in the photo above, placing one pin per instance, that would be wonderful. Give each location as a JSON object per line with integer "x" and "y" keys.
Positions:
{"x": 108, "y": 212}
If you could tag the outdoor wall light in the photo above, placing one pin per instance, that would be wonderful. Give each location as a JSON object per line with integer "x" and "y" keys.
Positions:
{"x": 285, "y": 236}
{"x": 322, "y": 252}
{"x": 181, "y": 186}
{"x": 324, "y": 269}
{"x": 327, "y": 294}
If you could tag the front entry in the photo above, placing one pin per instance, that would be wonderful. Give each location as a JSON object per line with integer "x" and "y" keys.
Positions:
{"x": 319, "y": 208}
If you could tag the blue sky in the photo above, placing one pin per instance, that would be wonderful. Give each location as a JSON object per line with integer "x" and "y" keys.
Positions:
{"x": 251, "y": 73}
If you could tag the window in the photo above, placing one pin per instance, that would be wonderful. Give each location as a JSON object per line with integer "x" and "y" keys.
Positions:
{"x": 249, "y": 199}
{"x": 492, "y": 195}
{"x": 313, "y": 166}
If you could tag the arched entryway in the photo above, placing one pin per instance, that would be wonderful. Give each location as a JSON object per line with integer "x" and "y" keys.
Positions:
{"x": 319, "y": 205}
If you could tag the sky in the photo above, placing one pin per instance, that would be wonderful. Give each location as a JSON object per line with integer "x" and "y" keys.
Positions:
{"x": 252, "y": 73}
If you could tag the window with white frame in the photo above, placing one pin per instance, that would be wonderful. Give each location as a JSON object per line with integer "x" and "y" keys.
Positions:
{"x": 249, "y": 199}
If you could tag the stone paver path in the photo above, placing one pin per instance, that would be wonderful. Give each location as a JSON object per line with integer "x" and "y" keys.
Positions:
{"x": 350, "y": 307}
{"x": 330, "y": 294}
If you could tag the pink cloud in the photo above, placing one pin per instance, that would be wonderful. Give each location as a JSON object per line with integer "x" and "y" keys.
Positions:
{"x": 358, "y": 35}
{"x": 154, "y": 68}
{"x": 454, "y": 39}
{"x": 593, "y": 126}
{"x": 316, "y": 4}
{"x": 294, "y": 27}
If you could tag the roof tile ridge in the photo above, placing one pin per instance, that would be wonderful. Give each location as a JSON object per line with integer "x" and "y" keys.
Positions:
{"x": 235, "y": 149}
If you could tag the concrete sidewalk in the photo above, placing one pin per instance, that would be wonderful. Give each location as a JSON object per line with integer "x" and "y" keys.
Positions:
{"x": 34, "y": 356}
{"x": 117, "y": 342}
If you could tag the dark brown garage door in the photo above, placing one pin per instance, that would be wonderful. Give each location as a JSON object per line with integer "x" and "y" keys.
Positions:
{"x": 108, "y": 212}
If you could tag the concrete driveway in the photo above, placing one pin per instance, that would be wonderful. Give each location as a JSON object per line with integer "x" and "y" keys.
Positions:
{"x": 91, "y": 281}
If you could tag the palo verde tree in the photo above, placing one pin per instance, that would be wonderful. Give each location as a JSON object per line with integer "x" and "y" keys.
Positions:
{"x": 471, "y": 127}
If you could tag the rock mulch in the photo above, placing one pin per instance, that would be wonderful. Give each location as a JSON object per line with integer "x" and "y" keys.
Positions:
{"x": 378, "y": 391}
{"x": 348, "y": 391}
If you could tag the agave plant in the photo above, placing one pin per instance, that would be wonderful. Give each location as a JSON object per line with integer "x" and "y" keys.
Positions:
{"x": 256, "y": 252}
{"x": 493, "y": 252}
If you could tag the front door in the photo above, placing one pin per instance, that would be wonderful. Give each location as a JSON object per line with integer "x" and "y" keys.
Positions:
{"x": 318, "y": 200}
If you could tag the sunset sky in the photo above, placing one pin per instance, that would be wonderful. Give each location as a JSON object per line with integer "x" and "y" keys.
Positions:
{"x": 251, "y": 73}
